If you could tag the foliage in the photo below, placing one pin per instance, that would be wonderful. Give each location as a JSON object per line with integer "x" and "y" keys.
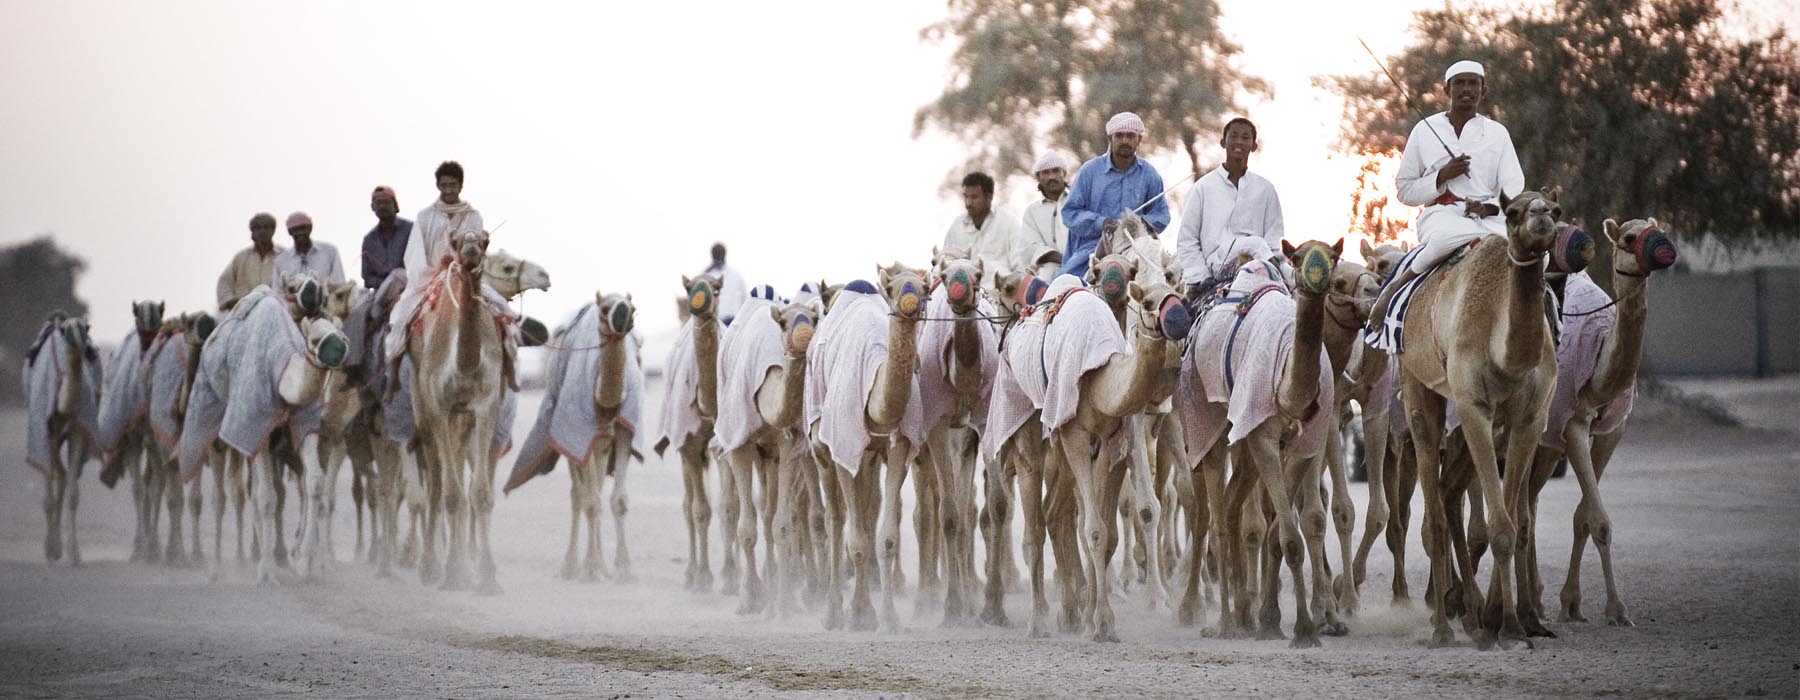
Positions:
{"x": 1044, "y": 74}
{"x": 40, "y": 277}
{"x": 1649, "y": 108}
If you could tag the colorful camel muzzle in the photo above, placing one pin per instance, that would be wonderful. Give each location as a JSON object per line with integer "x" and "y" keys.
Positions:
{"x": 1654, "y": 250}
{"x": 1573, "y": 249}
{"x": 1112, "y": 281}
{"x": 619, "y": 320}
{"x": 331, "y": 350}
{"x": 799, "y": 335}
{"x": 1174, "y": 318}
{"x": 910, "y": 301}
{"x": 960, "y": 289}
{"x": 700, "y": 298}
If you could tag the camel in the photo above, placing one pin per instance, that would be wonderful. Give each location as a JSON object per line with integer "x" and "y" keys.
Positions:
{"x": 861, "y": 415}
{"x": 1597, "y": 366}
{"x": 1476, "y": 335}
{"x": 1368, "y": 377}
{"x": 761, "y": 401}
{"x": 1108, "y": 395}
{"x": 1158, "y": 450}
{"x": 258, "y": 371}
{"x": 124, "y": 438}
{"x": 589, "y": 416}
{"x": 457, "y": 351}
{"x": 62, "y": 392}
{"x": 173, "y": 365}
{"x": 690, "y": 403}
{"x": 342, "y": 403}
{"x": 1276, "y": 410}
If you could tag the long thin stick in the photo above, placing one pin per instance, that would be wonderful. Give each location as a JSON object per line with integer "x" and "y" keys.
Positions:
{"x": 1407, "y": 96}
{"x": 1165, "y": 193}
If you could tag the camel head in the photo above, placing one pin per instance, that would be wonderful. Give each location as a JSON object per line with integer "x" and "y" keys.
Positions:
{"x": 617, "y": 314}
{"x": 1125, "y": 229}
{"x": 1353, "y": 291}
{"x": 511, "y": 276}
{"x": 904, "y": 288}
{"x": 1159, "y": 311}
{"x": 341, "y": 297}
{"x": 1530, "y": 224}
{"x": 149, "y": 317}
{"x": 1642, "y": 247}
{"x": 75, "y": 349}
{"x": 798, "y": 321}
{"x": 1110, "y": 278}
{"x": 702, "y": 296}
{"x": 1313, "y": 262}
{"x": 197, "y": 326}
{"x": 471, "y": 251}
{"x": 961, "y": 280}
{"x": 1380, "y": 260}
{"x": 1017, "y": 291}
{"x": 305, "y": 295}
{"x": 325, "y": 343}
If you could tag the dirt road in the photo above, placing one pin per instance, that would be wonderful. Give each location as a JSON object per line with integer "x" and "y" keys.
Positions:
{"x": 1708, "y": 550}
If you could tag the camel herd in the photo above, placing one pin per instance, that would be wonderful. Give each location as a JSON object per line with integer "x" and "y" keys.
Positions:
{"x": 1189, "y": 453}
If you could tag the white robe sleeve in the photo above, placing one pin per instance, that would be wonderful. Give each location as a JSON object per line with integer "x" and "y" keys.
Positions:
{"x": 1274, "y": 229}
{"x": 1512, "y": 177}
{"x": 1417, "y": 180}
{"x": 1188, "y": 251}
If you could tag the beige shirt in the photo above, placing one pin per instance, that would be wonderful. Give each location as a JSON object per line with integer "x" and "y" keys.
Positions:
{"x": 1041, "y": 231}
{"x": 246, "y": 271}
{"x": 992, "y": 243}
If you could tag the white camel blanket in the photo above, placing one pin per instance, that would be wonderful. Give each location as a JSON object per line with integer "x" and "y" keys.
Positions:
{"x": 1044, "y": 362}
{"x": 127, "y": 396}
{"x": 399, "y": 425}
{"x": 681, "y": 390}
{"x": 842, "y": 362}
{"x": 751, "y": 347}
{"x": 45, "y": 372}
{"x": 1578, "y": 356}
{"x": 168, "y": 367}
{"x": 937, "y": 360}
{"x": 365, "y": 330}
{"x": 568, "y": 423}
{"x": 236, "y": 397}
{"x": 1249, "y": 386}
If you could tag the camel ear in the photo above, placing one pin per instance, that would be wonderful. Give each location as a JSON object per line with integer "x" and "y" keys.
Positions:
{"x": 1653, "y": 223}
{"x": 599, "y": 298}
{"x": 686, "y": 284}
{"x": 1133, "y": 290}
{"x": 881, "y": 274}
{"x": 1505, "y": 201}
{"x": 1368, "y": 251}
{"x": 981, "y": 266}
{"x": 1090, "y": 277}
{"x": 1553, "y": 193}
{"x": 1287, "y": 249}
{"x": 1338, "y": 247}
{"x": 1610, "y": 228}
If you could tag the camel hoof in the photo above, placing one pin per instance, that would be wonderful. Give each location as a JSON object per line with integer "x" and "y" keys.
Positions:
{"x": 862, "y": 621}
{"x": 1269, "y": 633}
{"x": 570, "y": 571}
{"x": 1189, "y": 614}
{"x": 1484, "y": 640}
{"x": 488, "y": 589}
{"x": 1334, "y": 629}
{"x": 1572, "y": 613}
{"x": 1304, "y": 641}
{"x": 385, "y": 573}
{"x": 1619, "y": 620}
{"x": 429, "y": 574}
{"x": 454, "y": 581}
{"x": 1106, "y": 635}
{"x": 1401, "y": 601}
{"x": 1441, "y": 638}
{"x": 995, "y": 617}
{"x": 625, "y": 577}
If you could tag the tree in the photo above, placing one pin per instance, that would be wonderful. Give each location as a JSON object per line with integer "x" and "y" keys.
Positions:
{"x": 42, "y": 276}
{"x": 1634, "y": 108}
{"x": 1047, "y": 73}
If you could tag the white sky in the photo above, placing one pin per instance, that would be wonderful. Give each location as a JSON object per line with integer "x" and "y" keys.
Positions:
{"x": 617, "y": 141}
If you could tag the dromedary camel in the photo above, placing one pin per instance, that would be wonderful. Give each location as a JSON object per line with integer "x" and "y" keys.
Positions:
{"x": 124, "y": 440}
{"x": 958, "y": 358}
{"x": 862, "y": 414}
{"x": 690, "y": 403}
{"x": 1476, "y": 335}
{"x": 457, "y": 348}
{"x": 1597, "y": 366}
{"x": 341, "y": 404}
{"x": 62, "y": 399}
{"x": 589, "y": 416}
{"x": 1259, "y": 368}
{"x": 761, "y": 401}
{"x": 174, "y": 364}
{"x": 1370, "y": 379}
{"x": 260, "y": 374}
{"x": 1353, "y": 290}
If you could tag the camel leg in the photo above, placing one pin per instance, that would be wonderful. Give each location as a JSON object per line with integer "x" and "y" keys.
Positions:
{"x": 728, "y": 525}
{"x": 71, "y": 493}
{"x": 1171, "y": 464}
{"x": 357, "y": 500}
{"x": 264, "y": 471}
{"x": 1531, "y": 583}
{"x": 835, "y": 489}
{"x": 862, "y": 494}
{"x": 784, "y": 532}
{"x": 1402, "y": 479}
{"x": 621, "y": 505}
{"x": 53, "y": 481}
{"x": 1425, "y": 415}
{"x": 1078, "y": 449}
{"x": 1310, "y": 501}
{"x": 450, "y": 483}
{"x": 1279, "y": 487}
{"x": 578, "y": 510}
{"x": 816, "y": 522}
{"x": 195, "y": 504}
{"x": 1460, "y": 590}
{"x": 929, "y": 511}
{"x": 1501, "y": 621}
{"x": 768, "y": 475}
{"x": 741, "y": 507}
{"x": 312, "y": 523}
{"x": 1061, "y": 519}
{"x": 1211, "y": 468}
{"x": 1589, "y": 455}
{"x": 1343, "y": 519}
{"x": 896, "y": 464}
{"x": 385, "y": 537}
{"x": 482, "y": 466}
{"x": 1375, "y": 458}
{"x": 218, "y": 468}
{"x": 1146, "y": 515}
{"x": 334, "y": 466}
{"x": 995, "y": 519}
{"x": 175, "y": 553}
{"x": 698, "y": 512}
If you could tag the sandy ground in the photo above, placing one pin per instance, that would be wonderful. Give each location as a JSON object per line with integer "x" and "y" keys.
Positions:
{"x": 1708, "y": 553}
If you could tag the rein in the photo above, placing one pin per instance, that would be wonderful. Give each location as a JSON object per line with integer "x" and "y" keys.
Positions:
{"x": 1609, "y": 304}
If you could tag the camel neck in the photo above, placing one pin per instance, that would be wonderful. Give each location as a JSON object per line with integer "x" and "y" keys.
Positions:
{"x": 706, "y": 359}
{"x": 1526, "y": 328}
{"x": 1142, "y": 370}
{"x": 471, "y": 314}
{"x": 1300, "y": 384}
{"x": 793, "y": 392}
{"x": 609, "y": 393}
{"x": 1622, "y": 352}
{"x": 893, "y": 385}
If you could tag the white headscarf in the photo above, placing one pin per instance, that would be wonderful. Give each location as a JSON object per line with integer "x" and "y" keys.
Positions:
{"x": 1050, "y": 160}
{"x": 1464, "y": 66}
{"x": 1124, "y": 122}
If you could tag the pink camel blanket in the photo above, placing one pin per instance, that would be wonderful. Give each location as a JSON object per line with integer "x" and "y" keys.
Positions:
{"x": 750, "y": 347}
{"x": 937, "y": 361}
{"x": 1578, "y": 356}
{"x": 1264, "y": 336}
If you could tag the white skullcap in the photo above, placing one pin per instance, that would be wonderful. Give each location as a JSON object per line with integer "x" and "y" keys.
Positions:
{"x": 1464, "y": 66}
{"x": 1124, "y": 122}
{"x": 1050, "y": 160}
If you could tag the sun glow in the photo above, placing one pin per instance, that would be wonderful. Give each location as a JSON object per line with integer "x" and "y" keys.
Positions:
{"x": 1375, "y": 208}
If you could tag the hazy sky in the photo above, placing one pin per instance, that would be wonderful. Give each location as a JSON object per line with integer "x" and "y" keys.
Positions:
{"x": 616, "y": 141}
